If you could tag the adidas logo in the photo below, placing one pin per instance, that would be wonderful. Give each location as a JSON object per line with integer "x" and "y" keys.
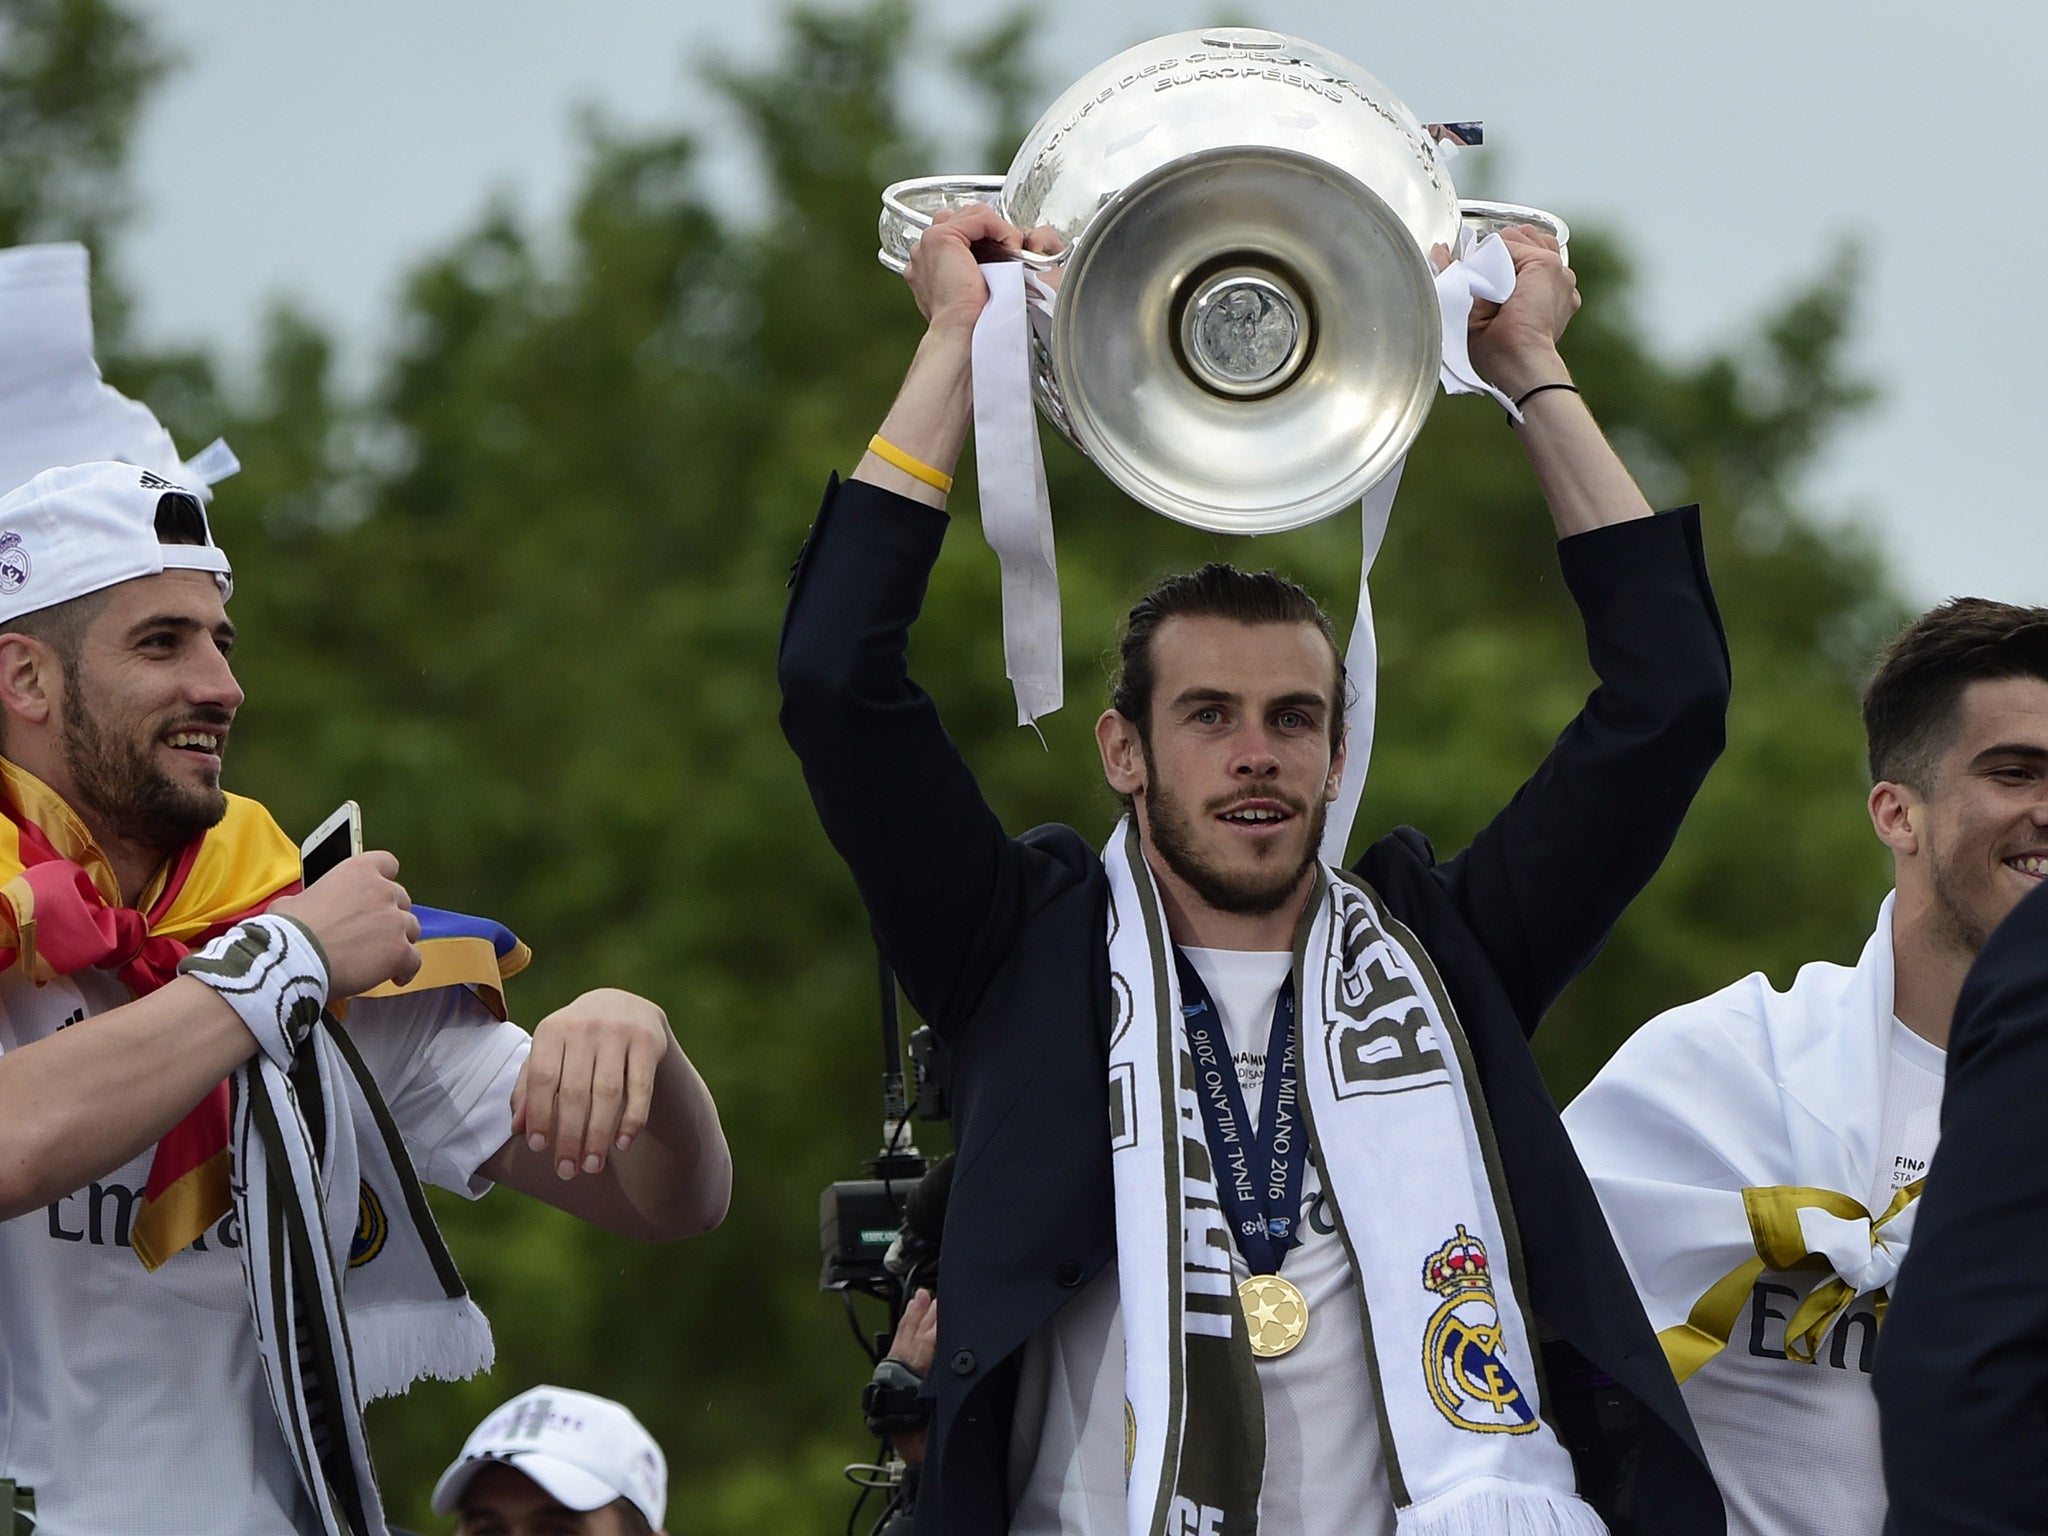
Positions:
{"x": 152, "y": 481}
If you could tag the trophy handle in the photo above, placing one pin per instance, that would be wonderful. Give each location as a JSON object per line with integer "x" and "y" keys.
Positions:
{"x": 908, "y": 206}
{"x": 1491, "y": 218}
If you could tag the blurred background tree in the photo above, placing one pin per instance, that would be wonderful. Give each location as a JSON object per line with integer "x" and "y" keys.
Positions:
{"x": 520, "y": 599}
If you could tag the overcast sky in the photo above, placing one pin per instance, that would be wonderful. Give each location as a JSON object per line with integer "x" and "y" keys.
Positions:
{"x": 317, "y": 150}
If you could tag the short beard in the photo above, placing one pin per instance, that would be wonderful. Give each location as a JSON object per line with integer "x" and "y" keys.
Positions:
{"x": 1959, "y": 925}
{"x": 1254, "y": 895}
{"x": 124, "y": 791}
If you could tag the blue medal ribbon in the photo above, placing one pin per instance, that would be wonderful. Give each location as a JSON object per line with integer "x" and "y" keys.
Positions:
{"x": 1258, "y": 1178}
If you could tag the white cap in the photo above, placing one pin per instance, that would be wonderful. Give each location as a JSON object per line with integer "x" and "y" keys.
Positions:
{"x": 70, "y": 532}
{"x": 585, "y": 1451}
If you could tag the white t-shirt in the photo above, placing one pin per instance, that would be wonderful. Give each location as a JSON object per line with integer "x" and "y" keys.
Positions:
{"x": 132, "y": 1401}
{"x": 1325, "y": 1473}
{"x": 1795, "y": 1447}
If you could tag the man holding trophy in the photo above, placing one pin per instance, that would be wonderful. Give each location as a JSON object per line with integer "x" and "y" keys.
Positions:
{"x": 1140, "y": 1332}
{"x": 1263, "y": 1219}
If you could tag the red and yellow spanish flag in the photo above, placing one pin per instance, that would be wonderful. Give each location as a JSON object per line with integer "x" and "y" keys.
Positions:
{"x": 61, "y": 911}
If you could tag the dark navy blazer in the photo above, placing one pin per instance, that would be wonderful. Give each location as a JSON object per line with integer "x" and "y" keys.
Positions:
{"x": 1962, "y": 1360}
{"x": 1000, "y": 944}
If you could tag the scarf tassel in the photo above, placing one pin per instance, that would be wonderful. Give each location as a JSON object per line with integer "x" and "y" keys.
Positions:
{"x": 447, "y": 1340}
{"x": 1492, "y": 1506}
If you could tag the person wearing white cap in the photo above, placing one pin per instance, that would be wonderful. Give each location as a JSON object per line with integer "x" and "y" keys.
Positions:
{"x": 185, "y": 1136}
{"x": 555, "y": 1462}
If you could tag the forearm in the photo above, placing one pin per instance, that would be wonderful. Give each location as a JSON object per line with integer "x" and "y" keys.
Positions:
{"x": 81, "y": 1103}
{"x": 1515, "y": 345}
{"x": 676, "y": 1178}
{"x": 1584, "y": 482}
{"x": 930, "y": 418}
{"x": 674, "y": 1181}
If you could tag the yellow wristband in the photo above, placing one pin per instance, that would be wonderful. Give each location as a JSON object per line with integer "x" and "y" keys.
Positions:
{"x": 917, "y": 469}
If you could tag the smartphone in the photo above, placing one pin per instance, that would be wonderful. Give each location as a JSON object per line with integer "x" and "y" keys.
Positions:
{"x": 337, "y": 838}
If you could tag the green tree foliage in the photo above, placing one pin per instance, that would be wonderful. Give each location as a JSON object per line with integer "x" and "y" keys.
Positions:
{"x": 73, "y": 76}
{"x": 521, "y": 601}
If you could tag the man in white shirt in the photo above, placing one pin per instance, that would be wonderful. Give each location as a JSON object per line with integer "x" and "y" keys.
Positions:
{"x": 1759, "y": 1154}
{"x": 153, "y": 949}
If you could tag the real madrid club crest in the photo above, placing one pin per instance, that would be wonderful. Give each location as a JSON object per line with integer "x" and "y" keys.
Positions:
{"x": 372, "y": 1227}
{"x": 14, "y": 563}
{"x": 1462, "y": 1355}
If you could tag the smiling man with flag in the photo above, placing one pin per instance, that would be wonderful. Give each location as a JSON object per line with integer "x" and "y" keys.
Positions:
{"x": 1760, "y": 1154}
{"x": 187, "y": 1135}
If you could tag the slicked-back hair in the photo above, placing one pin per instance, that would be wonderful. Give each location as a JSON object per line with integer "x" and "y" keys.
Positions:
{"x": 1216, "y": 591}
{"x": 1911, "y": 702}
{"x": 180, "y": 519}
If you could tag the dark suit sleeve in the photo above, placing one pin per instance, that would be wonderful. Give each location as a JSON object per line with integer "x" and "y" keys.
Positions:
{"x": 944, "y": 885}
{"x": 1544, "y": 883}
{"x": 1962, "y": 1360}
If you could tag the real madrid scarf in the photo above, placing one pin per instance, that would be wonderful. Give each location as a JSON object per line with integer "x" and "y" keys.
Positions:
{"x": 1412, "y": 1177}
{"x": 354, "y": 1293}
{"x": 1739, "y": 1134}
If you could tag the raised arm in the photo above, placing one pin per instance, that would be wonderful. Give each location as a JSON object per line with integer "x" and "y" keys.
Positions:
{"x": 1514, "y": 345}
{"x": 935, "y": 407}
{"x": 941, "y": 879}
{"x": 1544, "y": 883}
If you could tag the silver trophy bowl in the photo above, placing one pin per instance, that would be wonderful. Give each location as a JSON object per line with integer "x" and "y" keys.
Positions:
{"x": 1246, "y": 334}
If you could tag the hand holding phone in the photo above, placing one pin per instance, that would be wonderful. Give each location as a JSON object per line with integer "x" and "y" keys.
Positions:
{"x": 336, "y": 839}
{"x": 363, "y": 918}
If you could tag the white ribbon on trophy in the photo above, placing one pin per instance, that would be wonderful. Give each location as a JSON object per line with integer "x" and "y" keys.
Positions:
{"x": 1484, "y": 269}
{"x": 1016, "y": 510}
{"x": 55, "y": 409}
{"x": 1361, "y": 668}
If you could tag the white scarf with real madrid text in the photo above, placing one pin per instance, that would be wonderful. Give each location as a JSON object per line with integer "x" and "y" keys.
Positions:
{"x": 1408, "y": 1163}
{"x": 354, "y": 1293}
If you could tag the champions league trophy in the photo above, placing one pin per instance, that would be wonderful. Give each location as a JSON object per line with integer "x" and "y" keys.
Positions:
{"x": 1247, "y": 334}
{"x": 1241, "y": 327}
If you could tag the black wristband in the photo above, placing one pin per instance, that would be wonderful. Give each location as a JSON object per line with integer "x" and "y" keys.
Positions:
{"x": 1529, "y": 395}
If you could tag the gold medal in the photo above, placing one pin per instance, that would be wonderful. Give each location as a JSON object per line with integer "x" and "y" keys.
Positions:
{"x": 1275, "y": 1312}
